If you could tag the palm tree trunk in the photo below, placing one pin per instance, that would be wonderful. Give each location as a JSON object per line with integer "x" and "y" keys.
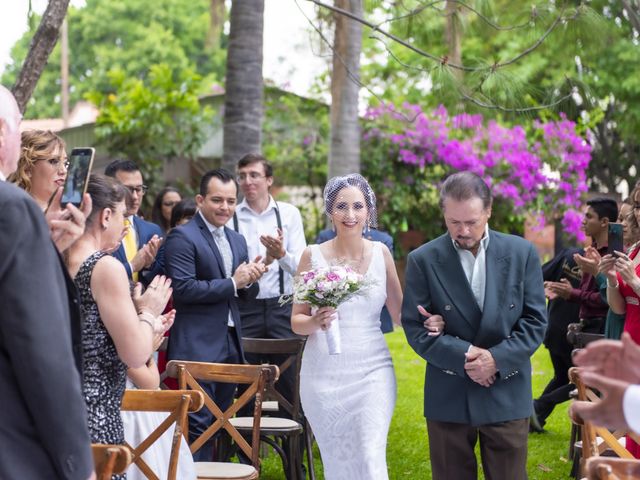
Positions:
{"x": 244, "y": 85}
{"x": 216, "y": 23}
{"x": 41, "y": 47}
{"x": 344, "y": 151}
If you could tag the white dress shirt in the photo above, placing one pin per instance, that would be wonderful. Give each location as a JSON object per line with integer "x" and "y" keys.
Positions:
{"x": 631, "y": 407}
{"x": 252, "y": 225}
{"x": 475, "y": 267}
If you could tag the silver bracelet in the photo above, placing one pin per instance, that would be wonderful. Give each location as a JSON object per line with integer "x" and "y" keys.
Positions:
{"x": 147, "y": 318}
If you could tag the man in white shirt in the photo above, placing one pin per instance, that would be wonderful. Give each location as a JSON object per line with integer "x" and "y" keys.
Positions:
{"x": 274, "y": 231}
{"x": 613, "y": 367}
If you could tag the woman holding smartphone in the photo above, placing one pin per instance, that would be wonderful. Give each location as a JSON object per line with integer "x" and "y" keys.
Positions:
{"x": 623, "y": 287}
{"x": 42, "y": 167}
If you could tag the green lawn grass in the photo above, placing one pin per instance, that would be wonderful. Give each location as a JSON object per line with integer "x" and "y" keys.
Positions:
{"x": 407, "y": 448}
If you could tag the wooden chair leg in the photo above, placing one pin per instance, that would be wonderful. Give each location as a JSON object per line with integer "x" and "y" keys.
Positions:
{"x": 308, "y": 440}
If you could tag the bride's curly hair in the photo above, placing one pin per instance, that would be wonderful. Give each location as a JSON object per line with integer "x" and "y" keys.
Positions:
{"x": 36, "y": 145}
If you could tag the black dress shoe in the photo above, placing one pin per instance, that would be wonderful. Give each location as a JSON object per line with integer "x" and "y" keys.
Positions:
{"x": 534, "y": 423}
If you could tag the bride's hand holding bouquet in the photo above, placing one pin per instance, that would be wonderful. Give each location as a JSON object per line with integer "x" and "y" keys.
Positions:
{"x": 325, "y": 288}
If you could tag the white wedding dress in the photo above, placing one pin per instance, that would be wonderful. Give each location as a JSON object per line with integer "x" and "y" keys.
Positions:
{"x": 349, "y": 398}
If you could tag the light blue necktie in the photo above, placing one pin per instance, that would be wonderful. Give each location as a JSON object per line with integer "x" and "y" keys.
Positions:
{"x": 225, "y": 249}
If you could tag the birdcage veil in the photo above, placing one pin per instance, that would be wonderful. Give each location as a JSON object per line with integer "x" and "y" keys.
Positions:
{"x": 335, "y": 184}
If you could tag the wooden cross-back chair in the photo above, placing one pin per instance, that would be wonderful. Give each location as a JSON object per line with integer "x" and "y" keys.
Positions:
{"x": 110, "y": 460}
{"x": 178, "y": 403}
{"x": 610, "y": 468}
{"x": 283, "y": 434}
{"x": 595, "y": 441}
{"x": 256, "y": 377}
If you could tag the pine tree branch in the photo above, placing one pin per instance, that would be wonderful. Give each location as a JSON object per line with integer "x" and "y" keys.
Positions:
{"x": 444, "y": 60}
{"x": 484, "y": 18}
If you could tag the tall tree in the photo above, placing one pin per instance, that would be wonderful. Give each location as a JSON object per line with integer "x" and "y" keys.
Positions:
{"x": 131, "y": 36}
{"x": 344, "y": 150}
{"x": 41, "y": 46}
{"x": 243, "y": 103}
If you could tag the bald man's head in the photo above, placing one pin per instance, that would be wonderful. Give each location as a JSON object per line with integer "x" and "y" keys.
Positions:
{"x": 9, "y": 132}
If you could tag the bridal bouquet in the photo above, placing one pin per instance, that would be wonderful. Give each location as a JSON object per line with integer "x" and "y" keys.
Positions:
{"x": 328, "y": 287}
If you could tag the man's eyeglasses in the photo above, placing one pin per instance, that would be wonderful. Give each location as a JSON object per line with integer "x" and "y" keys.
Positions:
{"x": 242, "y": 177}
{"x": 140, "y": 189}
{"x": 57, "y": 163}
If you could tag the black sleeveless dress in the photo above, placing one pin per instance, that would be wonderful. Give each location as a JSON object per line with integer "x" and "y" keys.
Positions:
{"x": 104, "y": 374}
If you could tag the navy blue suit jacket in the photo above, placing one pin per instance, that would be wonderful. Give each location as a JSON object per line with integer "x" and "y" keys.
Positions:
{"x": 511, "y": 326}
{"x": 202, "y": 295}
{"x": 144, "y": 230}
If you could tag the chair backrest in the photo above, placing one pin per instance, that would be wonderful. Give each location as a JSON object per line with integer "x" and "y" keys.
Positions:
{"x": 590, "y": 446}
{"x": 255, "y": 376}
{"x": 178, "y": 403}
{"x": 291, "y": 350}
{"x": 110, "y": 459}
{"x": 579, "y": 339}
{"x": 611, "y": 468}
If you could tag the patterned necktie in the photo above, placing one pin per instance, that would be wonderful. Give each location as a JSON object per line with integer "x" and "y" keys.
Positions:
{"x": 225, "y": 249}
{"x": 130, "y": 247}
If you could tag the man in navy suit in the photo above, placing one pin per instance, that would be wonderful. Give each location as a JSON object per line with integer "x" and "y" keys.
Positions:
{"x": 209, "y": 268}
{"x": 141, "y": 250}
{"x": 375, "y": 235}
{"x": 487, "y": 287}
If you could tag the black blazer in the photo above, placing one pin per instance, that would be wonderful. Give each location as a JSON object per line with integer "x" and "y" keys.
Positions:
{"x": 202, "y": 295}
{"x": 43, "y": 424}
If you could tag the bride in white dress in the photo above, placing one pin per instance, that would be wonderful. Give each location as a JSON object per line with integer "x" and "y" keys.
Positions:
{"x": 349, "y": 398}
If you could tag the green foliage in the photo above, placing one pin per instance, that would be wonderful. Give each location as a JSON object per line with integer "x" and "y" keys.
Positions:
{"x": 152, "y": 121}
{"x": 130, "y": 36}
{"x": 295, "y": 140}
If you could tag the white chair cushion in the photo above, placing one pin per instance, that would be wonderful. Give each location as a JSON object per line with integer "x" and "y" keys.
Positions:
{"x": 224, "y": 470}
{"x": 272, "y": 423}
{"x": 270, "y": 406}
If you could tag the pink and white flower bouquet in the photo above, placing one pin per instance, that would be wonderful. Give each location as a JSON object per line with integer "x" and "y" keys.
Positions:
{"x": 328, "y": 287}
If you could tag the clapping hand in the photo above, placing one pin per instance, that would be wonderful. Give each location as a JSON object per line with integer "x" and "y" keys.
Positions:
{"x": 617, "y": 359}
{"x": 480, "y": 366}
{"x": 608, "y": 412}
{"x": 66, "y": 224}
{"x": 590, "y": 262}
{"x": 433, "y": 323}
{"x": 249, "y": 272}
{"x": 147, "y": 254}
{"x": 155, "y": 297}
{"x": 562, "y": 288}
{"x": 166, "y": 320}
{"x": 274, "y": 245}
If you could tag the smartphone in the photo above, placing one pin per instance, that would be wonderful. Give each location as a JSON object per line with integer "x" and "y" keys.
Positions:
{"x": 80, "y": 163}
{"x": 614, "y": 237}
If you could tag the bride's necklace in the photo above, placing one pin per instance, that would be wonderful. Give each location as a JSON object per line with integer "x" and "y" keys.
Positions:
{"x": 355, "y": 263}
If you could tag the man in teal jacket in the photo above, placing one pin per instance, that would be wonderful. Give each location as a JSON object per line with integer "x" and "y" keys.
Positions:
{"x": 488, "y": 288}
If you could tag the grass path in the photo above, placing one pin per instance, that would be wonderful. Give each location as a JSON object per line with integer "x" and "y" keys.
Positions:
{"x": 407, "y": 449}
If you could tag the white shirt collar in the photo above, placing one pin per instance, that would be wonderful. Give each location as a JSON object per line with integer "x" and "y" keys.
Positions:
{"x": 2, "y": 177}
{"x": 243, "y": 205}
{"x": 212, "y": 228}
{"x": 484, "y": 243}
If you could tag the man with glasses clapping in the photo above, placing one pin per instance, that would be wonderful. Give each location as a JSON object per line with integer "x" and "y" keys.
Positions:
{"x": 140, "y": 251}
